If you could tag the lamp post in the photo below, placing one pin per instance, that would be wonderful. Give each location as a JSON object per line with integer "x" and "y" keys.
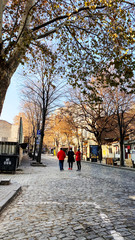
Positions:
{"x": 82, "y": 140}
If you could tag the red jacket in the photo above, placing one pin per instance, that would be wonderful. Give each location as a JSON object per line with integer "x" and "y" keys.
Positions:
{"x": 78, "y": 156}
{"x": 61, "y": 155}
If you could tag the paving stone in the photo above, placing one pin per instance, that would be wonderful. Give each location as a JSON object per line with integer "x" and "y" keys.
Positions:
{"x": 109, "y": 238}
{"x": 81, "y": 238}
{"x": 92, "y": 205}
{"x": 99, "y": 238}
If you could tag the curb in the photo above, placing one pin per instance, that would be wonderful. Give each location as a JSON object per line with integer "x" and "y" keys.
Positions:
{"x": 107, "y": 165}
{"x": 36, "y": 164}
{"x": 16, "y": 188}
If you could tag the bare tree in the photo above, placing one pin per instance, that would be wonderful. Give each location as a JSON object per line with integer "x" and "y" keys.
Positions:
{"x": 33, "y": 115}
{"x": 43, "y": 91}
{"x": 68, "y": 111}
{"x": 111, "y": 116}
{"x": 123, "y": 105}
{"x": 93, "y": 116}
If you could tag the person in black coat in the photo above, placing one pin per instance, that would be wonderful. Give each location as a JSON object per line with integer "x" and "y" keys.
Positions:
{"x": 70, "y": 159}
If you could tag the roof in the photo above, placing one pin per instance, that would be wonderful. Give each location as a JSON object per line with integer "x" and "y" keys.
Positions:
{"x": 4, "y": 121}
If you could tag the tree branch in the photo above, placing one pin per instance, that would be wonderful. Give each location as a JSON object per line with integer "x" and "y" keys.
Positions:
{"x": 64, "y": 17}
{"x": 26, "y": 18}
{"x": 45, "y": 34}
{"x": 132, "y": 4}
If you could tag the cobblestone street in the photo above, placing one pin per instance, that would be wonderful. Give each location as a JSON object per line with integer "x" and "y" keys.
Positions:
{"x": 97, "y": 203}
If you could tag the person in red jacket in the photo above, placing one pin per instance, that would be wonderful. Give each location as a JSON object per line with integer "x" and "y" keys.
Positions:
{"x": 61, "y": 156}
{"x": 78, "y": 159}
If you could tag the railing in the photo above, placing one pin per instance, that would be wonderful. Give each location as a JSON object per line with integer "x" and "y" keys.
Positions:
{"x": 9, "y": 147}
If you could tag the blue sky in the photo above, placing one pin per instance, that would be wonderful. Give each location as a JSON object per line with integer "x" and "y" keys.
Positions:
{"x": 11, "y": 106}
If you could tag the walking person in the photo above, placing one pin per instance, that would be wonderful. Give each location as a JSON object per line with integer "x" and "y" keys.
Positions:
{"x": 61, "y": 156}
{"x": 70, "y": 159}
{"x": 78, "y": 159}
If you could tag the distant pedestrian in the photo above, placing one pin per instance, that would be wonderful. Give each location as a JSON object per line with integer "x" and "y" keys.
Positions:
{"x": 61, "y": 156}
{"x": 78, "y": 159}
{"x": 70, "y": 158}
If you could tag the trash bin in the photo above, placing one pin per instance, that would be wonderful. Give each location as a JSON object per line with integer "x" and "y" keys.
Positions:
{"x": 8, "y": 163}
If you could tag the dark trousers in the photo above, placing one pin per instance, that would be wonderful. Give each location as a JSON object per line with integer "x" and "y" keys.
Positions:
{"x": 79, "y": 165}
{"x": 61, "y": 164}
{"x": 70, "y": 164}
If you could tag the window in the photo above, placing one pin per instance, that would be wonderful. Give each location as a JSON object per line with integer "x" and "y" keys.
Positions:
{"x": 110, "y": 149}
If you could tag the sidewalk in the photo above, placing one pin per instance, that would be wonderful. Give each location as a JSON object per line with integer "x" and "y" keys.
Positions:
{"x": 7, "y": 193}
{"x": 8, "y": 189}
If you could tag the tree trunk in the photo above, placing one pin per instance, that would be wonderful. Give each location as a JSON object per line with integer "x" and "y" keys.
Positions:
{"x": 8, "y": 67}
{"x": 40, "y": 147}
{"x": 35, "y": 146}
{"x": 42, "y": 135}
{"x": 5, "y": 77}
{"x": 77, "y": 135}
{"x": 122, "y": 134}
{"x": 100, "y": 152}
{"x": 121, "y": 153}
{"x": 57, "y": 146}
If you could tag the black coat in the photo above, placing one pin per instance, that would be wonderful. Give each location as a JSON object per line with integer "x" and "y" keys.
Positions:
{"x": 70, "y": 156}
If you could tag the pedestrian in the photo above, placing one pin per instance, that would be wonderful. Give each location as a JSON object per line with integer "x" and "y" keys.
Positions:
{"x": 78, "y": 159}
{"x": 61, "y": 156}
{"x": 70, "y": 158}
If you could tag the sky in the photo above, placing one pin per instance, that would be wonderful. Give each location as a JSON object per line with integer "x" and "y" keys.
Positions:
{"x": 11, "y": 106}
{"x": 12, "y": 103}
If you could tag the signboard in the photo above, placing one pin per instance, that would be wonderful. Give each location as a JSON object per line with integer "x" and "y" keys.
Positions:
{"x": 133, "y": 155}
{"x": 38, "y": 137}
{"x": 94, "y": 150}
{"x": 38, "y": 132}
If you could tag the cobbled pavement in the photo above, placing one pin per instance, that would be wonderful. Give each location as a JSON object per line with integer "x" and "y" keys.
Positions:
{"x": 97, "y": 203}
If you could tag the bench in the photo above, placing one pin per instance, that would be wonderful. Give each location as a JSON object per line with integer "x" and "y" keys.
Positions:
{"x": 112, "y": 161}
{"x": 109, "y": 161}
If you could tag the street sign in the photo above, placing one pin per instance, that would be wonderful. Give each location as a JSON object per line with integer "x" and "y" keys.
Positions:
{"x": 38, "y": 139}
{"x": 38, "y": 132}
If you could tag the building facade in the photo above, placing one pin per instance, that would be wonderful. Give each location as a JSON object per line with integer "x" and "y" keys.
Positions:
{"x": 10, "y": 137}
{"x": 8, "y": 132}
